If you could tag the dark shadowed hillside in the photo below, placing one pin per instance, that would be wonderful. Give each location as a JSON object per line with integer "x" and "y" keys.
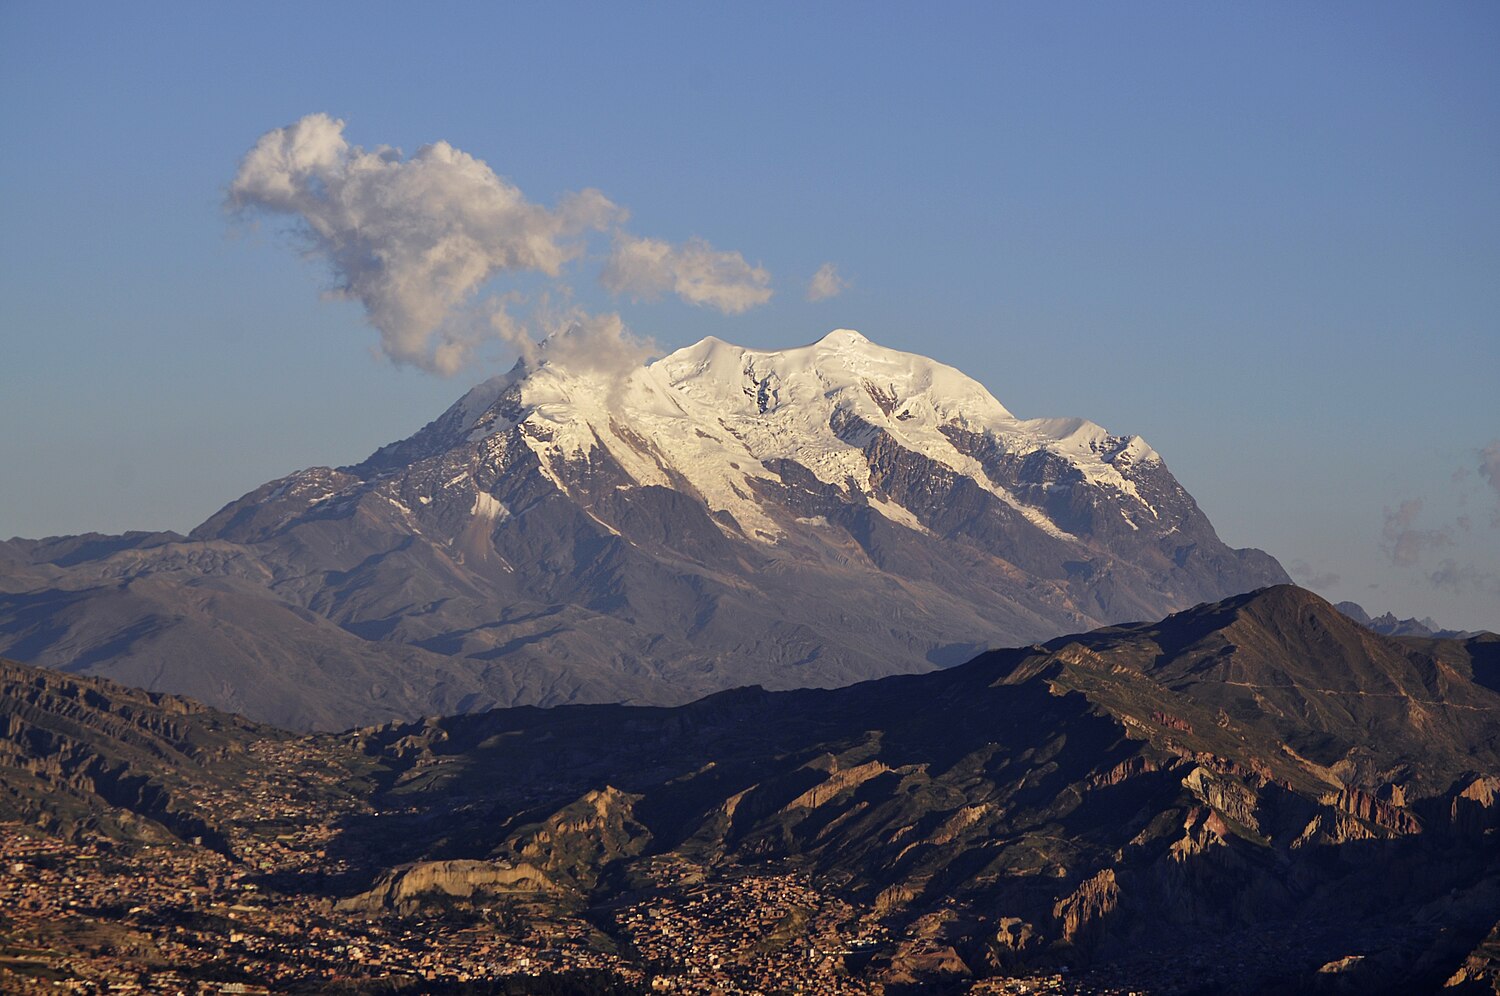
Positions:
{"x": 1253, "y": 795}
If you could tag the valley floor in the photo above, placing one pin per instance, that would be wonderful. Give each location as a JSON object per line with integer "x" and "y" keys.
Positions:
{"x": 95, "y": 915}
{"x": 1115, "y": 804}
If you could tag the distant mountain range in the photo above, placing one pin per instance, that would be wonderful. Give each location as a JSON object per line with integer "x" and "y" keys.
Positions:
{"x": 1255, "y": 795}
{"x": 720, "y": 517}
{"x": 1389, "y": 625}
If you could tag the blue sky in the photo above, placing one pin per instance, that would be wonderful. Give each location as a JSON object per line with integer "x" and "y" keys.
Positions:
{"x": 1266, "y": 237}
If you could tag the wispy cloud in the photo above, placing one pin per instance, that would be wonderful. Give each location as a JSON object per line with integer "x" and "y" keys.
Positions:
{"x": 695, "y": 271}
{"x": 1404, "y": 543}
{"x": 1454, "y": 577}
{"x": 1409, "y": 544}
{"x": 1489, "y": 469}
{"x": 826, "y": 283}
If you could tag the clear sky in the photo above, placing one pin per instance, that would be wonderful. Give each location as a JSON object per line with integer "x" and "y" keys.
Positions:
{"x": 1264, "y": 236}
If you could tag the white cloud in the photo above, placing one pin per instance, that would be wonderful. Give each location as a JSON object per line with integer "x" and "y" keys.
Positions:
{"x": 826, "y": 283}
{"x": 695, "y": 271}
{"x": 597, "y": 343}
{"x": 411, "y": 239}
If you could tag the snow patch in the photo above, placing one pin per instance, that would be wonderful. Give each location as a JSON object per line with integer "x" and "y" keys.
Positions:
{"x": 611, "y": 529}
{"x": 486, "y": 506}
{"x": 900, "y": 515}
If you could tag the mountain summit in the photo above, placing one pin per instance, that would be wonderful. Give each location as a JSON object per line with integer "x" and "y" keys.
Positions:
{"x": 573, "y": 532}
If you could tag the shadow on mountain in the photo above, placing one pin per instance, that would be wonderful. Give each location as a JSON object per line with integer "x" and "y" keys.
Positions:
{"x": 1315, "y": 808}
{"x": 1484, "y": 652}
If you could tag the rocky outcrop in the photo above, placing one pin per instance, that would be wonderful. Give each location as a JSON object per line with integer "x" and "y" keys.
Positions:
{"x": 1226, "y": 797}
{"x": 1378, "y": 812}
{"x": 1475, "y": 808}
{"x": 1132, "y": 767}
{"x": 1095, "y": 898}
{"x": 1014, "y": 939}
{"x": 840, "y": 779}
{"x": 575, "y": 845}
{"x": 405, "y": 888}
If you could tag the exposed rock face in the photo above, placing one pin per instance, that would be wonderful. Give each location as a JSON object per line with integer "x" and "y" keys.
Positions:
{"x": 1095, "y": 898}
{"x": 1474, "y": 809}
{"x": 1480, "y": 972}
{"x": 407, "y": 887}
{"x": 1386, "y": 815}
{"x": 574, "y": 845}
{"x": 809, "y": 517}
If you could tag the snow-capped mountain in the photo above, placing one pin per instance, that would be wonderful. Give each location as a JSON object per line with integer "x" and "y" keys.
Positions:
{"x": 719, "y": 517}
{"x": 714, "y": 419}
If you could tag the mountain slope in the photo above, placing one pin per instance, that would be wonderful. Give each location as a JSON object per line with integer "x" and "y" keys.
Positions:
{"x": 723, "y": 516}
{"x": 1255, "y": 795}
{"x": 1138, "y": 797}
{"x": 84, "y": 753}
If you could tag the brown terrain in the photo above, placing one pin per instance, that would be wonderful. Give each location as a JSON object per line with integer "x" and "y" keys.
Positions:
{"x": 1254, "y": 795}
